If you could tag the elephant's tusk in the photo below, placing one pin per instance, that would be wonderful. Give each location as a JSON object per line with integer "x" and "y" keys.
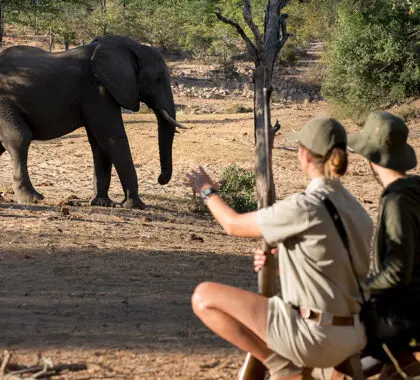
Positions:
{"x": 165, "y": 114}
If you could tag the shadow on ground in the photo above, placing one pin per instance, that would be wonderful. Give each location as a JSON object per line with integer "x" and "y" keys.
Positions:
{"x": 109, "y": 299}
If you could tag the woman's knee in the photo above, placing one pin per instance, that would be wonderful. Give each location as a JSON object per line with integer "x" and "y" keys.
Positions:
{"x": 201, "y": 298}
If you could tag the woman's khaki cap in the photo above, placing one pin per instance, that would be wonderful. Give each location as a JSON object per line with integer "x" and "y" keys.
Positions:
{"x": 320, "y": 135}
{"x": 383, "y": 140}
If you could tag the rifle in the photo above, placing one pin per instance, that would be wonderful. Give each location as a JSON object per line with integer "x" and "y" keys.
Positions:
{"x": 267, "y": 286}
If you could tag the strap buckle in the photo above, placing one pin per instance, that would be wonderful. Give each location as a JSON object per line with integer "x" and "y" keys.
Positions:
{"x": 326, "y": 319}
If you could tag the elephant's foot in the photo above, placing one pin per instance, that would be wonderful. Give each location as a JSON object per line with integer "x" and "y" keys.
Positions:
{"x": 102, "y": 202}
{"x": 134, "y": 203}
{"x": 28, "y": 195}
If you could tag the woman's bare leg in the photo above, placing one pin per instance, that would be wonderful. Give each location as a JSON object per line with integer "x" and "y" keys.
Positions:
{"x": 237, "y": 315}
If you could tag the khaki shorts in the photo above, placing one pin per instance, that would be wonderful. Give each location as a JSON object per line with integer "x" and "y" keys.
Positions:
{"x": 304, "y": 343}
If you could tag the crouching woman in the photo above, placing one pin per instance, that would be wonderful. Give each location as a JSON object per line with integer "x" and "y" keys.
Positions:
{"x": 313, "y": 321}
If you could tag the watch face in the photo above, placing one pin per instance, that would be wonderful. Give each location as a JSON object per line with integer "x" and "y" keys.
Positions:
{"x": 207, "y": 191}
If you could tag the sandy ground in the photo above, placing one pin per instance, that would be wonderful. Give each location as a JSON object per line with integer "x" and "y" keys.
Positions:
{"x": 111, "y": 288}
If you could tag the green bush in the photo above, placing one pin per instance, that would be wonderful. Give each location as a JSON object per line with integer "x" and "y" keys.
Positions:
{"x": 372, "y": 59}
{"x": 237, "y": 188}
{"x": 289, "y": 54}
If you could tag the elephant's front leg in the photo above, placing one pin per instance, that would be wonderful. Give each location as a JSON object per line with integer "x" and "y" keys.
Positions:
{"x": 119, "y": 150}
{"x": 101, "y": 174}
{"x": 121, "y": 158}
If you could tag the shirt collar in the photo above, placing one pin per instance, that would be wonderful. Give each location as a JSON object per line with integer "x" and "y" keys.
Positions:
{"x": 318, "y": 182}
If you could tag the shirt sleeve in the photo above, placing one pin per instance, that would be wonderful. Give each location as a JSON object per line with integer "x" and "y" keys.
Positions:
{"x": 284, "y": 219}
{"x": 397, "y": 259}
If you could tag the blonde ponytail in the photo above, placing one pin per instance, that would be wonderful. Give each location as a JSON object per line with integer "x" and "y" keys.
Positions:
{"x": 333, "y": 164}
{"x": 336, "y": 163}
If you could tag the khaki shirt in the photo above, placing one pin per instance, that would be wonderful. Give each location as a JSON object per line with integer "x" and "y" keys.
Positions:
{"x": 315, "y": 270}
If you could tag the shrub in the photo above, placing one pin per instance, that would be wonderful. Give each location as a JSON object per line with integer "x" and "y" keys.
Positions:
{"x": 237, "y": 188}
{"x": 372, "y": 59}
{"x": 289, "y": 54}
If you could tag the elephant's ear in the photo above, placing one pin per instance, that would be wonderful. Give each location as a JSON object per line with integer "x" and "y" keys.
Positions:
{"x": 115, "y": 68}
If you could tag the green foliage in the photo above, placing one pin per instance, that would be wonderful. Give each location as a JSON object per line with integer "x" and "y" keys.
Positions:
{"x": 372, "y": 59}
{"x": 311, "y": 19}
{"x": 237, "y": 187}
{"x": 289, "y": 54}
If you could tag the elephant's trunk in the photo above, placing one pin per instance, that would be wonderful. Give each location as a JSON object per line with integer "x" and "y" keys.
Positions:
{"x": 166, "y": 131}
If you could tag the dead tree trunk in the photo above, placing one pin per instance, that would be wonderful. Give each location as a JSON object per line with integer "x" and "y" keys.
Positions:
{"x": 264, "y": 51}
{"x": 1, "y": 22}
{"x": 124, "y": 15}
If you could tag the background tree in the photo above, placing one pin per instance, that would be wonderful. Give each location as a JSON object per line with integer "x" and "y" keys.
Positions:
{"x": 263, "y": 50}
{"x": 373, "y": 57}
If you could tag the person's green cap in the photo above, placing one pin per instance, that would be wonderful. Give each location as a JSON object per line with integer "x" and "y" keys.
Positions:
{"x": 320, "y": 135}
{"x": 383, "y": 140}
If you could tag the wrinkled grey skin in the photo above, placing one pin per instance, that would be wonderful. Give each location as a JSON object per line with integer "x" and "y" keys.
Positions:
{"x": 45, "y": 96}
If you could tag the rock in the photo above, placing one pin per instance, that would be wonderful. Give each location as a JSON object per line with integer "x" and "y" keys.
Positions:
{"x": 303, "y": 98}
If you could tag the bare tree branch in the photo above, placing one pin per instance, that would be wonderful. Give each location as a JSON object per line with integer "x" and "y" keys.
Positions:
{"x": 272, "y": 33}
{"x": 284, "y": 34}
{"x": 254, "y": 28}
{"x": 251, "y": 48}
{"x": 283, "y": 3}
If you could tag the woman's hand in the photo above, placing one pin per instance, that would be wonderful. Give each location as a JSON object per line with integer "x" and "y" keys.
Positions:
{"x": 260, "y": 258}
{"x": 199, "y": 180}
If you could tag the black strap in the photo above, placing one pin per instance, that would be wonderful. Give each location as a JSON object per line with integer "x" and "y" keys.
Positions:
{"x": 335, "y": 216}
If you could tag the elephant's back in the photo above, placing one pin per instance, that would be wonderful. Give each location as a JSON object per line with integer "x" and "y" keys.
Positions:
{"x": 16, "y": 56}
{"x": 46, "y": 89}
{"x": 22, "y": 49}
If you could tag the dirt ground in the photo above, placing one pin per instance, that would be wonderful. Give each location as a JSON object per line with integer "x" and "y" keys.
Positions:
{"x": 111, "y": 288}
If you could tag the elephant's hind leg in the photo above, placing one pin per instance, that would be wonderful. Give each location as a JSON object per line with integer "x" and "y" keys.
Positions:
{"x": 16, "y": 138}
{"x": 101, "y": 175}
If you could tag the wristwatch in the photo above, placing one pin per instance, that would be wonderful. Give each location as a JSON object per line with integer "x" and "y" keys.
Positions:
{"x": 204, "y": 194}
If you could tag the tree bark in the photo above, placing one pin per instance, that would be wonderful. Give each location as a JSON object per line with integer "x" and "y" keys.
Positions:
{"x": 1, "y": 22}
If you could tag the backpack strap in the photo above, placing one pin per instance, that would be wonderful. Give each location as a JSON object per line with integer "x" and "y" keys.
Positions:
{"x": 335, "y": 216}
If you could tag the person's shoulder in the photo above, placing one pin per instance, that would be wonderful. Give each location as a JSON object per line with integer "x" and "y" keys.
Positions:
{"x": 300, "y": 200}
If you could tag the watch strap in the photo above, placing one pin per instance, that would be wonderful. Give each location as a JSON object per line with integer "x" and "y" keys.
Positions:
{"x": 205, "y": 193}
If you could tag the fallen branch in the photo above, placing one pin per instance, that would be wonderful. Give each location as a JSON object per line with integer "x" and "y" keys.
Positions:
{"x": 283, "y": 147}
{"x": 4, "y": 362}
{"x": 45, "y": 370}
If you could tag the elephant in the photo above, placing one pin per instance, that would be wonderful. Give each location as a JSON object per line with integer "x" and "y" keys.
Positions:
{"x": 47, "y": 95}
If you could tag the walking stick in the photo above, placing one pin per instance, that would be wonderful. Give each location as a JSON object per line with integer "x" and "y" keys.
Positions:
{"x": 253, "y": 368}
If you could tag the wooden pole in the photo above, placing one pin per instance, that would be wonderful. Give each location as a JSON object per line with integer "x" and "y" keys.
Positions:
{"x": 253, "y": 368}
